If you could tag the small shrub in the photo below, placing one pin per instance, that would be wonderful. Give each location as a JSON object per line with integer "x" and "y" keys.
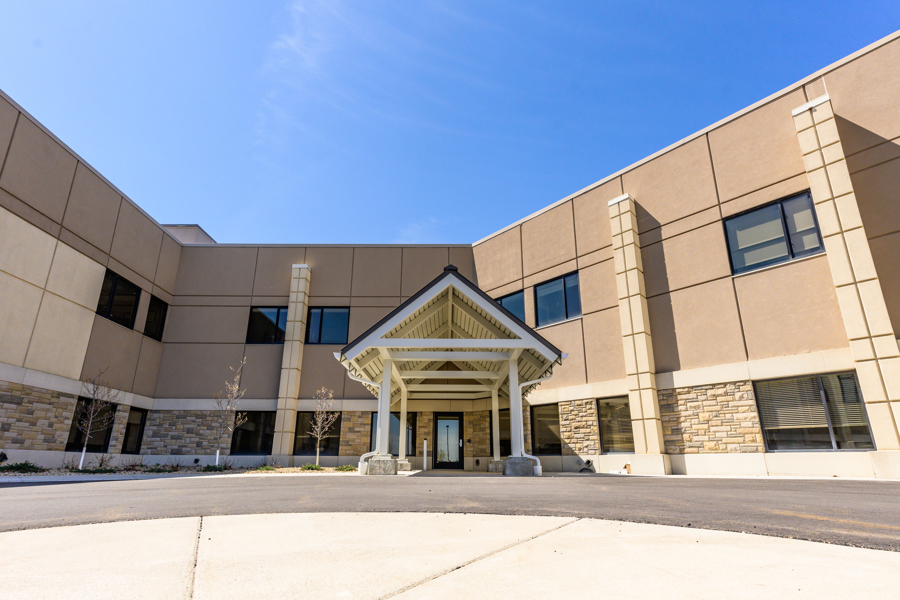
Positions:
{"x": 311, "y": 467}
{"x": 212, "y": 469}
{"x": 133, "y": 465}
{"x": 227, "y": 464}
{"x": 158, "y": 469}
{"x": 22, "y": 467}
{"x": 345, "y": 468}
{"x": 265, "y": 468}
{"x": 95, "y": 471}
{"x": 70, "y": 464}
{"x": 102, "y": 461}
{"x": 174, "y": 465}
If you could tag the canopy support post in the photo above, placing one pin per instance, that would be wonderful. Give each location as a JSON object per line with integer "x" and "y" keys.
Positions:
{"x": 383, "y": 463}
{"x": 496, "y": 465}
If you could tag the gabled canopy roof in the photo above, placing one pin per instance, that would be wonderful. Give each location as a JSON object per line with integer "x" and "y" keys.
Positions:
{"x": 450, "y": 341}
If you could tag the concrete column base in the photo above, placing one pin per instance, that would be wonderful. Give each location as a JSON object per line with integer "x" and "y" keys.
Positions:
{"x": 518, "y": 466}
{"x": 403, "y": 465}
{"x": 382, "y": 465}
{"x": 495, "y": 466}
{"x": 650, "y": 464}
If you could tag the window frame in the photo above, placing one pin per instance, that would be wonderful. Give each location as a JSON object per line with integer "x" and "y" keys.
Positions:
{"x": 502, "y": 298}
{"x": 537, "y": 322}
{"x": 77, "y": 445}
{"x": 602, "y": 449}
{"x": 309, "y": 325}
{"x": 277, "y": 319}
{"x": 784, "y": 230}
{"x": 533, "y": 429}
{"x": 491, "y": 428}
{"x": 262, "y": 433}
{"x": 165, "y": 313}
{"x": 830, "y": 425}
{"x": 334, "y": 433}
{"x": 105, "y": 313}
{"x": 373, "y": 431}
{"x": 140, "y": 433}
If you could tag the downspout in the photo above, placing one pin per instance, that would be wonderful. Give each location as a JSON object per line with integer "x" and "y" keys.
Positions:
{"x": 537, "y": 468}
{"x": 363, "y": 467}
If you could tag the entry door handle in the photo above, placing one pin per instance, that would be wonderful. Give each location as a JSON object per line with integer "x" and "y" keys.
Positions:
{"x": 460, "y": 442}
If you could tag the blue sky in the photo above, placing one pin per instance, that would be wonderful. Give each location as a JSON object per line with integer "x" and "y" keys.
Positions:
{"x": 384, "y": 122}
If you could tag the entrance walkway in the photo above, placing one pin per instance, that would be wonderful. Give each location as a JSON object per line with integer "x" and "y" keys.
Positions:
{"x": 428, "y": 555}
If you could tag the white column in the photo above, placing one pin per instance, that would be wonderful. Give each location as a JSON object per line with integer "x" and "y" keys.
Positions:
{"x": 516, "y": 424}
{"x": 495, "y": 422}
{"x": 384, "y": 412}
{"x": 402, "y": 440}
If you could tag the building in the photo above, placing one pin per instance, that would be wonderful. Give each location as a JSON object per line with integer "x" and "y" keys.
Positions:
{"x": 729, "y": 305}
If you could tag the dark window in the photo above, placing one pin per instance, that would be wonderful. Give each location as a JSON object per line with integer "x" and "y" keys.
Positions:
{"x": 118, "y": 300}
{"x": 134, "y": 431}
{"x": 545, "y": 429}
{"x": 267, "y": 325}
{"x": 557, "y": 300}
{"x": 305, "y": 442}
{"x": 394, "y": 442}
{"x": 818, "y": 412}
{"x": 773, "y": 234}
{"x": 327, "y": 325}
{"x": 99, "y": 440}
{"x": 514, "y": 303}
{"x": 255, "y": 435}
{"x": 505, "y": 435}
{"x": 616, "y": 434}
{"x": 156, "y": 319}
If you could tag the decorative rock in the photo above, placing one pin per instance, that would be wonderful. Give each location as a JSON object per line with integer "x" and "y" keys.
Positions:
{"x": 382, "y": 465}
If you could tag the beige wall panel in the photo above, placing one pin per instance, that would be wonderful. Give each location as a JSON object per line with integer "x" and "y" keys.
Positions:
{"x": 137, "y": 241}
{"x": 25, "y": 251}
{"x": 38, "y": 170}
{"x": 696, "y": 327}
{"x": 530, "y": 316}
{"x": 167, "y": 267}
{"x": 8, "y": 114}
{"x": 603, "y": 346}
{"x": 93, "y": 209}
{"x": 362, "y": 318}
{"x": 551, "y": 273}
{"x": 273, "y": 270}
{"x": 25, "y": 211}
{"x": 568, "y": 337}
{"x": 815, "y": 89}
{"x": 321, "y": 369}
{"x": 89, "y": 250}
{"x": 878, "y": 195}
{"x": 147, "y": 368}
{"x": 498, "y": 261}
{"x": 330, "y": 271}
{"x": 598, "y": 287}
{"x": 592, "y": 216}
{"x": 695, "y": 221}
{"x": 376, "y": 271}
{"x": 464, "y": 260}
{"x": 885, "y": 253}
{"x": 206, "y": 325}
{"x": 780, "y": 190}
{"x": 548, "y": 239}
{"x": 873, "y": 156}
{"x": 672, "y": 186}
{"x": 19, "y": 302}
{"x": 132, "y": 276}
{"x": 757, "y": 149}
{"x": 263, "y": 369}
{"x": 685, "y": 260}
{"x": 791, "y": 309}
{"x": 869, "y": 118}
{"x": 595, "y": 257}
{"x": 211, "y": 271}
{"x": 75, "y": 277}
{"x": 196, "y": 370}
{"x": 112, "y": 354}
{"x": 61, "y": 335}
{"x": 140, "y": 317}
{"x": 420, "y": 266}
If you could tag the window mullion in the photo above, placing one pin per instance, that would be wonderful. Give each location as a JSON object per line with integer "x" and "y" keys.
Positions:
{"x": 787, "y": 234}
{"x": 827, "y": 415}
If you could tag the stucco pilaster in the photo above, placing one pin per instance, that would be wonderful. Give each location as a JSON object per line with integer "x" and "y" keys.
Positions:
{"x": 873, "y": 343}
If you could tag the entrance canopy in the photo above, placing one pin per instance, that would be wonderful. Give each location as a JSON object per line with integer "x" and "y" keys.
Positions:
{"x": 450, "y": 341}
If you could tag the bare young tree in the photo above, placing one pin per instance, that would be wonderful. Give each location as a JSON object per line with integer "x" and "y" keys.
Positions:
{"x": 98, "y": 410}
{"x": 228, "y": 405}
{"x": 323, "y": 417}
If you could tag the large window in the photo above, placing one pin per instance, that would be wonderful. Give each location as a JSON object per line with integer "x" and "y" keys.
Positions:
{"x": 394, "y": 442}
{"x": 134, "y": 431}
{"x": 99, "y": 440}
{"x": 267, "y": 325}
{"x": 156, "y": 319}
{"x": 819, "y": 412}
{"x": 327, "y": 325}
{"x": 305, "y": 442}
{"x": 557, "y": 300}
{"x": 514, "y": 303}
{"x": 505, "y": 435}
{"x": 773, "y": 234}
{"x": 118, "y": 300}
{"x": 255, "y": 435}
{"x": 616, "y": 434}
{"x": 545, "y": 437}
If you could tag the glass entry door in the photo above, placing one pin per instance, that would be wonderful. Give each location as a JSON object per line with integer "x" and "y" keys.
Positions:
{"x": 448, "y": 436}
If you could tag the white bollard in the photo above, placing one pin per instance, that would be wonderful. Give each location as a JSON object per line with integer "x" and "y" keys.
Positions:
{"x": 425, "y": 457}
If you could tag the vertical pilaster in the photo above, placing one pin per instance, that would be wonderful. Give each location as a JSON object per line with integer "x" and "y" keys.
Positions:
{"x": 636, "y": 340}
{"x": 872, "y": 340}
{"x": 291, "y": 362}
{"x": 495, "y": 424}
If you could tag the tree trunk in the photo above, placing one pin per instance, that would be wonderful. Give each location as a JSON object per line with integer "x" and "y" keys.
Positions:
{"x": 317, "y": 453}
{"x": 217, "y": 457}
{"x": 81, "y": 462}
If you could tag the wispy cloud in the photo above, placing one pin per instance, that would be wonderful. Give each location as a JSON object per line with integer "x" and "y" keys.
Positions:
{"x": 424, "y": 231}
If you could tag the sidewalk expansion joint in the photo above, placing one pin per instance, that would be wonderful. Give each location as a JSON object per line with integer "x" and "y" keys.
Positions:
{"x": 196, "y": 555}
{"x": 476, "y": 559}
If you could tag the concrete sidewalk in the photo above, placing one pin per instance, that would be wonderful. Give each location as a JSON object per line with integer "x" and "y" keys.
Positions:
{"x": 428, "y": 555}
